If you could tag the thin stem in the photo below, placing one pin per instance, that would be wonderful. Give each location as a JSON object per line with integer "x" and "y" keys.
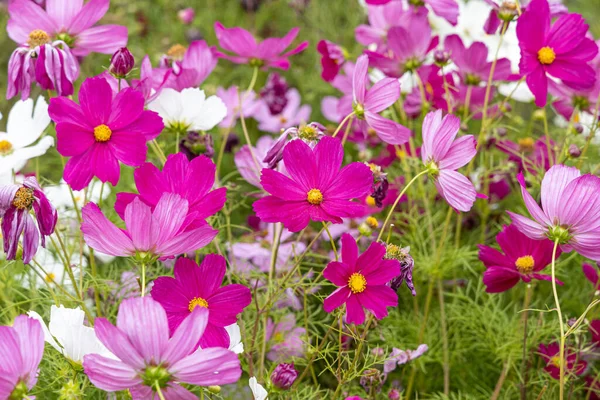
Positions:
{"x": 387, "y": 219}
{"x": 342, "y": 124}
{"x": 143, "y": 277}
{"x": 158, "y": 391}
{"x": 560, "y": 321}
{"x": 158, "y": 151}
{"x": 348, "y": 126}
{"x": 524, "y": 362}
{"x": 446, "y": 351}
{"x": 221, "y": 154}
{"x": 501, "y": 379}
{"x": 94, "y": 274}
{"x": 331, "y": 240}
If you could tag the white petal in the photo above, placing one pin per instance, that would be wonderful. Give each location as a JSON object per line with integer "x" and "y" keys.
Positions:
{"x": 47, "y": 335}
{"x": 258, "y": 391}
{"x": 212, "y": 112}
{"x": 235, "y": 338}
{"x": 168, "y": 105}
{"x": 17, "y": 159}
{"x": 23, "y": 128}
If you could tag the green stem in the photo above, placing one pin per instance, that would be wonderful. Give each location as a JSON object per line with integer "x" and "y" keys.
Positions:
{"x": 143, "y": 277}
{"x": 158, "y": 391}
{"x": 445, "y": 347}
{"x": 560, "y": 321}
{"x": 387, "y": 219}
{"x": 342, "y": 124}
{"x": 526, "y": 303}
{"x": 331, "y": 240}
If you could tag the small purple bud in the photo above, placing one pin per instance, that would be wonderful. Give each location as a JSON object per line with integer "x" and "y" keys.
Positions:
{"x": 186, "y": 15}
{"x": 501, "y": 131}
{"x": 578, "y": 127}
{"x": 441, "y": 57}
{"x": 372, "y": 380}
{"x": 274, "y": 93}
{"x": 284, "y": 375}
{"x": 121, "y": 63}
{"x": 394, "y": 394}
{"x": 574, "y": 151}
{"x": 195, "y": 144}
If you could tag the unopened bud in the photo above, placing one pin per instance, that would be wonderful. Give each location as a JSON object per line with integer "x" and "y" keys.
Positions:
{"x": 441, "y": 57}
{"x": 577, "y": 127}
{"x": 186, "y": 15}
{"x": 214, "y": 389}
{"x": 121, "y": 63}
{"x": 574, "y": 151}
{"x": 284, "y": 376}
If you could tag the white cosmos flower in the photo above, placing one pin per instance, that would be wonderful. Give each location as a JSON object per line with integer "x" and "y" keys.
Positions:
{"x": 23, "y": 128}
{"x": 235, "y": 338}
{"x": 68, "y": 335}
{"x": 189, "y": 110}
{"x": 258, "y": 391}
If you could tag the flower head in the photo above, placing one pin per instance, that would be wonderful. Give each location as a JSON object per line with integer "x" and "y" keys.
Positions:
{"x": 102, "y": 131}
{"x": 316, "y": 188}
{"x": 268, "y": 53}
{"x": 570, "y": 212}
{"x": 332, "y": 58}
{"x": 283, "y": 376}
{"x": 16, "y": 204}
{"x": 286, "y": 340}
{"x": 21, "y": 350}
{"x": 121, "y": 63}
{"x": 310, "y": 134}
{"x": 369, "y": 102}
{"x": 522, "y": 259}
{"x": 182, "y": 68}
{"x": 231, "y": 98}
{"x": 362, "y": 281}
{"x": 69, "y": 21}
{"x": 163, "y": 231}
{"x": 443, "y": 154}
{"x": 200, "y": 286}
{"x": 560, "y": 50}
{"x": 148, "y": 357}
{"x": 591, "y": 274}
{"x": 550, "y": 354}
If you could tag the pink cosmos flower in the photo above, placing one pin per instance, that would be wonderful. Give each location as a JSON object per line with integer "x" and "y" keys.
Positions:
{"x": 316, "y": 188}
{"x": 408, "y": 48}
{"x": 332, "y": 59}
{"x": 550, "y": 354}
{"x": 443, "y": 155}
{"x": 293, "y": 113}
{"x": 507, "y": 10}
{"x": 192, "y": 180}
{"x": 163, "y": 232}
{"x": 286, "y": 339}
{"x": 369, "y": 102}
{"x": 528, "y": 154}
{"x": 570, "y": 211}
{"x": 183, "y": 68}
{"x": 16, "y": 203}
{"x": 473, "y": 65}
{"x": 569, "y": 99}
{"x": 231, "y": 98}
{"x": 591, "y": 274}
{"x": 200, "y": 287}
{"x": 245, "y": 162}
{"x": 522, "y": 259}
{"x": 68, "y": 20}
{"x": 102, "y": 131}
{"x": 382, "y": 16}
{"x": 561, "y": 50}
{"x": 362, "y": 281}
{"x": 49, "y": 64}
{"x": 447, "y": 9}
{"x": 186, "y": 15}
{"x": 21, "y": 350}
{"x": 149, "y": 357}
{"x": 268, "y": 53}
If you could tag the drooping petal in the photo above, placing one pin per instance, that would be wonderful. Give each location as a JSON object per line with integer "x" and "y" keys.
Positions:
{"x": 336, "y": 299}
{"x": 387, "y": 130}
{"x": 456, "y": 189}
{"x": 206, "y": 367}
{"x": 102, "y": 235}
{"x": 528, "y": 227}
{"x": 110, "y": 375}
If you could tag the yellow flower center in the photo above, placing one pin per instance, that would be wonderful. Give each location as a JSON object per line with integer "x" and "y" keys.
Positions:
{"x": 526, "y": 144}
{"x": 23, "y": 198}
{"x": 525, "y": 264}
{"x": 283, "y": 119}
{"x": 372, "y": 222}
{"x": 5, "y": 147}
{"x": 37, "y": 38}
{"x": 197, "y": 302}
{"x": 555, "y": 361}
{"x": 370, "y": 201}
{"x": 546, "y": 55}
{"x": 102, "y": 133}
{"x": 357, "y": 283}
{"x": 314, "y": 196}
{"x": 50, "y": 277}
{"x": 177, "y": 52}
{"x": 308, "y": 132}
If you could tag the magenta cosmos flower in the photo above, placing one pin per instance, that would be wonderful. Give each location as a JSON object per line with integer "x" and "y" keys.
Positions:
{"x": 521, "y": 259}
{"x": 268, "y": 53}
{"x": 382, "y": 17}
{"x": 68, "y": 20}
{"x": 570, "y": 211}
{"x": 316, "y": 189}
{"x": 183, "y": 68}
{"x": 200, "y": 286}
{"x": 551, "y": 355}
{"x": 443, "y": 155}
{"x": 561, "y": 50}
{"x": 16, "y": 202}
{"x": 333, "y": 57}
{"x": 192, "y": 180}
{"x": 148, "y": 357}
{"x": 362, "y": 281}
{"x": 21, "y": 350}
{"x": 163, "y": 232}
{"x": 102, "y": 131}
{"x": 368, "y": 102}
{"x": 591, "y": 274}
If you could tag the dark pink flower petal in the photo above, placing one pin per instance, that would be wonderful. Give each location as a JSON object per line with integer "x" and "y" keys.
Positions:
{"x": 73, "y": 140}
{"x": 149, "y": 124}
{"x": 491, "y": 257}
{"x": 300, "y": 164}
{"x": 227, "y": 302}
{"x": 337, "y": 298}
{"x": 382, "y": 273}
{"x": 371, "y": 258}
{"x": 377, "y": 299}
{"x": 62, "y": 109}
{"x": 129, "y": 148}
{"x": 185, "y": 339}
{"x": 500, "y": 279}
{"x": 329, "y": 155}
{"x": 591, "y": 274}
{"x": 354, "y": 311}
{"x": 172, "y": 295}
{"x": 95, "y": 97}
{"x": 349, "y": 251}
{"x": 294, "y": 215}
{"x": 127, "y": 107}
{"x": 104, "y": 164}
{"x": 281, "y": 186}
{"x": 538, "y": 84}
{"x": 337, "y": 273}
{"x": 215, "y": 336}
{"x": 533, "y": 26}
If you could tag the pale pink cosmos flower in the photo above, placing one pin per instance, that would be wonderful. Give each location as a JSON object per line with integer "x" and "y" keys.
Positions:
{"x": 369, "y": 102}
{"x": 292, "y": 114}
{"x": 570, "y": 211}
{"x": 164, "y": 231}
{"x": 148, "y": 357}
{"x": 231, "y": 97}
{"x": 443, "y": 154}
{"x": 268, "y": 53}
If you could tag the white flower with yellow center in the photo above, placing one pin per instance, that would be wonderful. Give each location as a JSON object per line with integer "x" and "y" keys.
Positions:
{"x": 23, "y": 128}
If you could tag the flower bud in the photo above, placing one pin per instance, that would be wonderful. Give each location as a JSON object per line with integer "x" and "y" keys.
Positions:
{"x": 214, "y": 389}
{"x": 284, "y": 375}
{"x": 574, "y": 151}
{"x": 501, "y": 131}
{"x": 186, "y": 15}
{"x": 195, "y": 144}
{"x": 394, "y": 394}
{"x": 578, "y": 128}
{"x": 121, "y": 63}
{"x": 441, "y": 57}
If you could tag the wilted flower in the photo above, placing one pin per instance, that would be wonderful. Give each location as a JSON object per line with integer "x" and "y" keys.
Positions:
{"x": 121, "y": 63}
{"x": 310, "y": 134}
{"x": 196, "y": 144}
{"x": 372, "y": 380}
{"x": 400, "y": 357}
{"x": 407, "y": 264}
{"x": 293, "y": 113}
{"x": 283, "y": 376}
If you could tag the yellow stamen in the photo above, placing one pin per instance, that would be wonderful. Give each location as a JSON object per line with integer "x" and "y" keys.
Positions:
{"x": 197, "y": 302}
{"x": 5, "y": 147}
{"x": 526, "y": 144}
{"x": 102, "y": 133}
{"x": 525, "y": 264}
{"x": 370, "y": 201}
{"x": 23, "y": 198}
{"x": 177, "y": 52}
{"x": 50, "y": 277}
{"x": 37, "y": 38}
{"x": 555, "y": 361}
{"x": 357, "y": 283}
{"x": 314, "y": 196}
{"x": 372, "y": 222}
{"x": 546, "y": 55}
{"x": 282, "y": 119}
